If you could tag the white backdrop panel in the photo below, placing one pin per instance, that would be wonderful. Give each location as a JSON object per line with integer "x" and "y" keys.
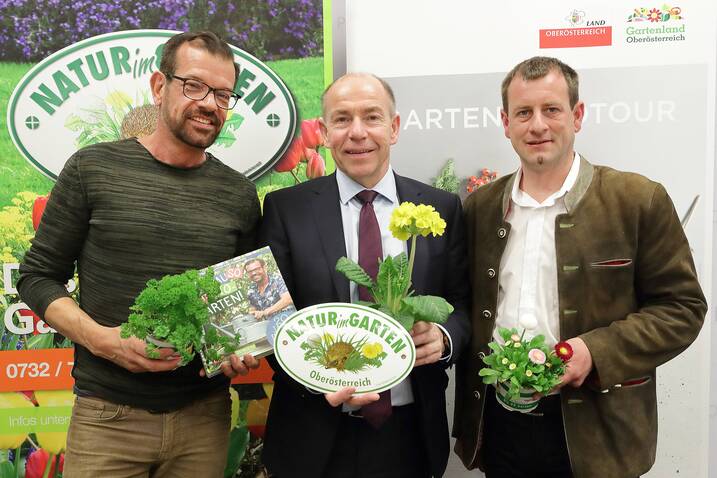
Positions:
{"x": 650, "y": 109}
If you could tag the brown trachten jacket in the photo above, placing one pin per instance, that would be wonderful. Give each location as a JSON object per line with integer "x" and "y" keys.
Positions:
{"x": 627, "y": 286}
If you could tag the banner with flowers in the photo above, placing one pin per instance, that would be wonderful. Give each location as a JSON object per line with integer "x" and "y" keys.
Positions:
{"x": 285, "y": 37}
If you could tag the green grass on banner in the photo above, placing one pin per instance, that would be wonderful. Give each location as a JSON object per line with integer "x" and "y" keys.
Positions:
{"x": 16, "y": 174}
{"x": 305, "y": 79}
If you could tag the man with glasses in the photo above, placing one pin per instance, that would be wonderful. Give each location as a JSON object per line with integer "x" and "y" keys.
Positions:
{"x": 126, "y": 212}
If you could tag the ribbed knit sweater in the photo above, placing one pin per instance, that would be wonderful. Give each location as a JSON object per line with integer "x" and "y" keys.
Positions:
{"x": 125, "y": 218}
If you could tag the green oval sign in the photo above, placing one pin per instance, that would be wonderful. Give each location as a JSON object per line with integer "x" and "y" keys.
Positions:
{"x": 97, "y": 90}
{"x": 331, "y": 346}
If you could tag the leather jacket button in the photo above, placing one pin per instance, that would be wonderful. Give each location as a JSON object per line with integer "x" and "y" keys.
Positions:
{"x": 476, "y": 394}
{"x": 491, "y": 273}
{"x": 502, "y": 232}
{"x": 487, "y": 314}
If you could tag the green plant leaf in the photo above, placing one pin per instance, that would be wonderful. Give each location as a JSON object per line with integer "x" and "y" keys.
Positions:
{"x": 238, "y": 442}
{"x": 393, "y": 276}
{"x": 40, "y": 341}
{"x": 428, "y": 308}
{"x": 353, "y": 272}
{"x": 447, "y": 179}
{"x": 405, "y": 319}
{"x": 7, "y": 469}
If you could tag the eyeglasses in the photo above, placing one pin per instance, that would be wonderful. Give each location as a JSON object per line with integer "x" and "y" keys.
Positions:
{"x": 198, "y": 90}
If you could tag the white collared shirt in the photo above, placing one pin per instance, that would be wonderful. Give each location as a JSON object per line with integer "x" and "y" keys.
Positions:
{"x": 384, "y": 204}
{"x": 528, "y": 278}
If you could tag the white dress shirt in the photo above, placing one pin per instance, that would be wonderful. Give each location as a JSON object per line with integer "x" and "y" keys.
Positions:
{"x": 384, "y": 204}
{"x": 528, "y": 278}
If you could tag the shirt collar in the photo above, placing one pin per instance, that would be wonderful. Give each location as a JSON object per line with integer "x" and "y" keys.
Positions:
{"x": 521, "y": 198}
{"x": 348, "y": 188}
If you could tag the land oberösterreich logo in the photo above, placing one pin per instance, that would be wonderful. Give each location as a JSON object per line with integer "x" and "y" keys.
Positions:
{"x": 583, "y": 32}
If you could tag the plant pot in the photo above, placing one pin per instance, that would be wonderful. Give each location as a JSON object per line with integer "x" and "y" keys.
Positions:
{"x": 163, "y": 344}
{"x": 524, "y": 403}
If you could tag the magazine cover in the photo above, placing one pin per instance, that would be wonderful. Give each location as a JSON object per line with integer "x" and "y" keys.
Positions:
{"x": 252, "y": 304}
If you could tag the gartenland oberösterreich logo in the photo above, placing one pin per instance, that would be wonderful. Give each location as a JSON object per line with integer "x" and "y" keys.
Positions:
{"x": 584, "y": 33}
{"x": 663, "y": 24}
{"x": 98, "y": 90}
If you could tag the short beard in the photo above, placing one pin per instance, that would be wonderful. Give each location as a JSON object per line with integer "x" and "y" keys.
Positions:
{"x": 181, "y": 134}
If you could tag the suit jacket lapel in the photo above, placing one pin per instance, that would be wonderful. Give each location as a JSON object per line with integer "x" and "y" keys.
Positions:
{"x": 407, "y": 191}
{"x": 327, "y": 218}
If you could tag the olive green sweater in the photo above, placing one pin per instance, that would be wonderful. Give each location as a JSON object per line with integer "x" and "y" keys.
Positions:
{"x": 124, "y": 218}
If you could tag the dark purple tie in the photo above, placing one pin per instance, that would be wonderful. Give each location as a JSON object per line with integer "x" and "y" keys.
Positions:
{"x": 370, "y": 252}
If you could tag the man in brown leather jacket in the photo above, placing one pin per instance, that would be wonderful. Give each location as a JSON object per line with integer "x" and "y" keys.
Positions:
{"x": 594, "y": 256}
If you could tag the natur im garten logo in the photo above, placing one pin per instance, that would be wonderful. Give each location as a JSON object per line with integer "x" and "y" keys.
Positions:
{"x": 98, "y": 90}
{"x": 655, "y": 25}
{"x": 330, "y": 346}
{"x": 584, "y": 31}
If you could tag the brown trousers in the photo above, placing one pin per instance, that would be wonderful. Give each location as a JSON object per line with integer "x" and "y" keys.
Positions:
{"x": 118, "y": 441}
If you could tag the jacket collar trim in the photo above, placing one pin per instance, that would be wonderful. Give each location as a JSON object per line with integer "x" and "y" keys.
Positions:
{"x": 572, "y": 198}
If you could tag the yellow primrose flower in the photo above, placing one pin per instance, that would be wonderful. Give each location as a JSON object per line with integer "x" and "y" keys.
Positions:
{"x": 53, "y": 442}
{"x": 409, "y": 220}
{"x": 401, "y": 221}
{"x": 428, "y": 221}
{"x": 371, "y": 351}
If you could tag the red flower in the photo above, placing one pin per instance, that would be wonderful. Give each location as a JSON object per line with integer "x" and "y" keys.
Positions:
{"x": 38, "y": 208}
{"x": 311, "y": 133}
{"x": 30, "y": 394}
{"x": 36, "y": 462}
{"x": 315, "y": 167}
{"x": 564, "y": 351}
{"x": 654, "y": 15}
{"x": 291, "y": 158}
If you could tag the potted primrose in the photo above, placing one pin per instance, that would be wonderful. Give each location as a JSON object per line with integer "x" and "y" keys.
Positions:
{"x": 522, "y": 367}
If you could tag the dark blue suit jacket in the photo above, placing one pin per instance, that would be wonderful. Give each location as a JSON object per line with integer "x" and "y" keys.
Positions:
{"x": 303, "y": 227}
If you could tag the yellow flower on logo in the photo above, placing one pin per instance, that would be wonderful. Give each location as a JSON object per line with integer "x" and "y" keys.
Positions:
{"x": 371, "y": 351}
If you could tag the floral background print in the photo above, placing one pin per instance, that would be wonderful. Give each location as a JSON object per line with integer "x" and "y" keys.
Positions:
{"x": 663, "y": 14}
{"x": 286, "y": 34}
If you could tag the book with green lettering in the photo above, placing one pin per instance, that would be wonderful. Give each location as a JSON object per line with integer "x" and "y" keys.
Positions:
{"x": 253, "y": 302}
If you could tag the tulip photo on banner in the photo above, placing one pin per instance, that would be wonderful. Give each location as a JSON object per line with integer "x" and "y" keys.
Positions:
{"x": 75, "y": 73}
